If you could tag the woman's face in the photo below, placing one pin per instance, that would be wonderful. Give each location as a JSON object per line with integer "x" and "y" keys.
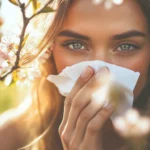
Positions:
{"x": 117, "y": 36}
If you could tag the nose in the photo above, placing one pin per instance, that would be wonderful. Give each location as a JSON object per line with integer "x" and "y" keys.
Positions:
{"x": 102, "y": 55}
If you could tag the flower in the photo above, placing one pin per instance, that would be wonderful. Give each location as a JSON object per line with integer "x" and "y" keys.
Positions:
{"x": 1, "y": 22}
{"x": 132, "y": 125}
{"x": 8, "y": 48}
{"x": 108, "y": 3}
{"x": 25, "y": 73}
{"x": 46, "y": 54}
{"x": 28, "y": 73}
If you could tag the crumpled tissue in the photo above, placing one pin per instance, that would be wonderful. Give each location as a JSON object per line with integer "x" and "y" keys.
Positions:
{"x": 122, "y": 77}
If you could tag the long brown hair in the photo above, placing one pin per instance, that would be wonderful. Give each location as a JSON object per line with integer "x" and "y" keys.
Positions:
{"x": 48, "y": 101}
{"x": 47, "y": 104}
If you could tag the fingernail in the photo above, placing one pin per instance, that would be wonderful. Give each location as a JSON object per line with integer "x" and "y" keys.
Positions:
{"x": 103, "y": 71}
{"x": 109, "y": 106}
{"x": 86, "y": 72}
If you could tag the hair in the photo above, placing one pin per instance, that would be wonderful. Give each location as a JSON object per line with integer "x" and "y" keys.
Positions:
{"x": 47, "y": 102}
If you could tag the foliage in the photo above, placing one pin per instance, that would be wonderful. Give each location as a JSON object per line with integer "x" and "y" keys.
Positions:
{"x": 8, "y": 95}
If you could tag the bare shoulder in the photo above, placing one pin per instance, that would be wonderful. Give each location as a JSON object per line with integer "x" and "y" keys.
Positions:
{"x": 11, "y": 136}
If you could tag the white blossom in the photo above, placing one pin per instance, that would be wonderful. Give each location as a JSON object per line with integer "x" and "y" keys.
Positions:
{"x": 46, "y": 54}
{"x": 108, "y": 3}
{"x": 28, "y": 73}
{"x": 8, "y": 80}
{"x": 8, "y": 47}
{"x": 132, "y": 124}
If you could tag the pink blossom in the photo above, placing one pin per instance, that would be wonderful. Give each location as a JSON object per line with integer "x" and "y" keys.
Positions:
{"x": 3, "y": 57}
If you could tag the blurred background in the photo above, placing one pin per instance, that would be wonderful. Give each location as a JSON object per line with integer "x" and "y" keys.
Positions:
{"x": 10, "y": 27}
{"x": 12, "y": 95}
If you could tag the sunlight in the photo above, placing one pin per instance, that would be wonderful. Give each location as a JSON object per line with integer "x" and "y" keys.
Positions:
{"x": 13, "y": 20}
{"x": 13, "y": 113}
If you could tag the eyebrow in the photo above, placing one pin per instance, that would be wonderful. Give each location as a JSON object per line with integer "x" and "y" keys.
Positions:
{"x": 69, "y": 33}
{"x": 129, "y": 34}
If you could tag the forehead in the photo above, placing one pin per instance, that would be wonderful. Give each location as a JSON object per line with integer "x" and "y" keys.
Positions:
{"x": 83, "y": 14}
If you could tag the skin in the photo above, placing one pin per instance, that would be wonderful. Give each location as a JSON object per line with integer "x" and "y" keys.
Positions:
{"x": 80, "y": 119}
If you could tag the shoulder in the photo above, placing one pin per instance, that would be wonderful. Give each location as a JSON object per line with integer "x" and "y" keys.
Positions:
{"x": 11, "y": 136}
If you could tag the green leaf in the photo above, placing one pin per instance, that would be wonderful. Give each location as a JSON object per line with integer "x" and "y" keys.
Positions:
{"x": 15, "y": 2}
{"x": 47, "y": 10}
{"x": 38, "y": 5}
{"x": 34, "y": 4}
{"x": 24, "y": 40}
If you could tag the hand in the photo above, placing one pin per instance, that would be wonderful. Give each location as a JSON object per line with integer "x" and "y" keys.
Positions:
{"x": 83, "y": 117}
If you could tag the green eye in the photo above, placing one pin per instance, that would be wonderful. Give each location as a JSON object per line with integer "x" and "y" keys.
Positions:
{"x": 74, "y": 45}
{"x": 127, "y": 47}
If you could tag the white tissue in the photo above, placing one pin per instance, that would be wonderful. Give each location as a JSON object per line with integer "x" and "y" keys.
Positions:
{"x": 123, "y": 77}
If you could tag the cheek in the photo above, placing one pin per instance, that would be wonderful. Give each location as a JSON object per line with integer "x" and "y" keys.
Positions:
{"x": 63, "y": 58}
{"x": 143, "y": 69}
{"x": 139, "y": 63}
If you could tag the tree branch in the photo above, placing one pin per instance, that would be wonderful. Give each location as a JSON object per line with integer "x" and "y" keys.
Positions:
{"x": 25, "y": 23}
{"x": 37, "y": 13}
{"x": 19, "y": 2}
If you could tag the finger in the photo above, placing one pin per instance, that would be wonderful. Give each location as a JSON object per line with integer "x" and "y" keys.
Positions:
{"x": 95, "y": 125}
{"x": 85, "y": 116}
{"x": 84, "y": 77}
{"x": 83, "y": 98}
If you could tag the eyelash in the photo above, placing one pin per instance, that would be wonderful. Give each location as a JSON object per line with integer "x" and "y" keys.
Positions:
{"x": 68, "y": 43}
{"x": 134, "y": 47}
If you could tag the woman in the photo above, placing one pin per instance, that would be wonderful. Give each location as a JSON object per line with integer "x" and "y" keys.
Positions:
{"x": 83, "y": 31}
